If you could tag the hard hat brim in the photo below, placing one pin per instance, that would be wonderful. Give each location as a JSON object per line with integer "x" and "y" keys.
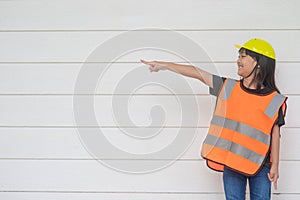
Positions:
{"x": 238, "y": 46}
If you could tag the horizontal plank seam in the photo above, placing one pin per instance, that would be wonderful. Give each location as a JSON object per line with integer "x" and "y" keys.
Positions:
{"x": 105, "y": 192}
{"x": 112, "y": 94}
{"x": 31, "y": 126}
{"x": 129, "y": 62}
{"x": 100, "y": 159}
{"x": 119, "y": 159}
{"x": 157, "y": 29}
{"x": 126, "y": 192}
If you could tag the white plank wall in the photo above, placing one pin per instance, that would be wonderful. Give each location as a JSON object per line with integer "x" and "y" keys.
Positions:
{"x": 44, "y": 46}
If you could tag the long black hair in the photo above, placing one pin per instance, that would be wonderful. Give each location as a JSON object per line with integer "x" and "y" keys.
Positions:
{"x": 265, "y": 76}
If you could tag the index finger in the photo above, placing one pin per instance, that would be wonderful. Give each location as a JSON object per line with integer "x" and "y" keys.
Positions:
{"x": 144, "y": 61}
{"x": 275, "y": 184}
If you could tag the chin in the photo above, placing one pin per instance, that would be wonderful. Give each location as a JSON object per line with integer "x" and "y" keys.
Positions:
{"x": 239, "y": 73}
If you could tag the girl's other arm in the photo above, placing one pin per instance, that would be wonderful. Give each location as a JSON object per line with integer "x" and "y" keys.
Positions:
{"x": 275, "y": 144}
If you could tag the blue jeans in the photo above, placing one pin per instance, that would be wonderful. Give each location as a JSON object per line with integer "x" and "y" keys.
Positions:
{"x": 235, "y": 185}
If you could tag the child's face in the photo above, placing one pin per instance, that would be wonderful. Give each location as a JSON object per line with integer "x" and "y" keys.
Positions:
{"x": 245, "y": 64}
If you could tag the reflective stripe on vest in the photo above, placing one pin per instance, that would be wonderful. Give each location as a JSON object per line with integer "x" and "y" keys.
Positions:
{"x": 228, "y": 88}
{"x": 234, "y": 148}
{"x": 241, "y": 128}
{"x": 275, "y": 104}
{"x": 239, "y": 135}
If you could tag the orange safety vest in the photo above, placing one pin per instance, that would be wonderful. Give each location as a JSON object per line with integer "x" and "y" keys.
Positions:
{"x": 239, "y": 136}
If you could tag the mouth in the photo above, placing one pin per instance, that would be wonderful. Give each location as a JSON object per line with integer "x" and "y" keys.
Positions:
{"x": 240, "y": 66}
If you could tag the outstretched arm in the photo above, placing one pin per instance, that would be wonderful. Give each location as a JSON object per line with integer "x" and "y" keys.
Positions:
{"x": 186, "y": 70}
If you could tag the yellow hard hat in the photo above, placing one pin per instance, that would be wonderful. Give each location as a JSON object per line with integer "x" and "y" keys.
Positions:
{"x": 259, "y": 46}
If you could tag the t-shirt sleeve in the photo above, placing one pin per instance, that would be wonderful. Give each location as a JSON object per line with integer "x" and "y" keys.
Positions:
{"x": 281, "y": 114}
{"x": 217, "y": 85}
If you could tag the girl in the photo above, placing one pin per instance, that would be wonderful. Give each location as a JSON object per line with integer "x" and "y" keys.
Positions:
{"x": 243, "y": 138}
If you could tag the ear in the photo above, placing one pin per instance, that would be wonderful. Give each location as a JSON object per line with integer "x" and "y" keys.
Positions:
{"x": 254, "y": 63}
